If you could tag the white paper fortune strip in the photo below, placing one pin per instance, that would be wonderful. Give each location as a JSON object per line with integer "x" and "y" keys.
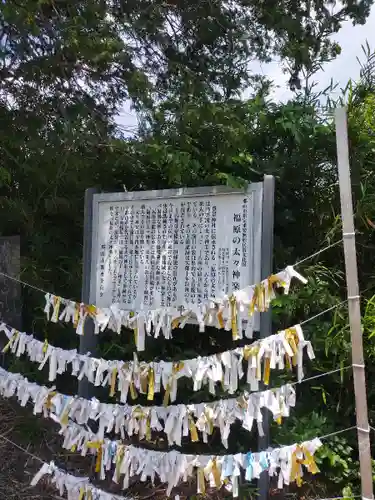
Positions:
{"x": 176, "y": 421}
{"x": 77, "y": 488}
{"x": 284, "y": 349}
{"x": 172, "y": 467}
{"x": 231, "y": 312}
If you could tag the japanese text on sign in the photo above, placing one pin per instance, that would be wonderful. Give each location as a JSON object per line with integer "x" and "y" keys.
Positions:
{"x": 155, "y": 253}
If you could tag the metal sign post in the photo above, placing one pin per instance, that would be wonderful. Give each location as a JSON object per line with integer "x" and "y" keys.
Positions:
{"x": 359, "y": 378}
{"x": 266, "y": 317}
{"x": 88, "y": 341}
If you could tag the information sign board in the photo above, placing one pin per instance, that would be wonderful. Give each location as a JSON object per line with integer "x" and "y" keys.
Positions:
{"x": 173, "y": 248}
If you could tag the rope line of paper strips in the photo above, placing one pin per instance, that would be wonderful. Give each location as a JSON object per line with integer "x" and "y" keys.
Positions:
{"x": 125, "y": 462}
{"x": 284, "y": 349}
{"x": 74, "y": 485}
{"x": 77, "y": 488}
{"x": 175, "y": 421}
{"x": 232, "y": 312}
{"x": 171, "y": 467}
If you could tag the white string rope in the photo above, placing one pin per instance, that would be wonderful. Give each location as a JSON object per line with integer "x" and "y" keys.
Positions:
{"x": 326, "y": 436}
{"x": 320, "y": 375}
{"x": 22, "y": 449}
{"x": 17, "y": 280}
{"x": 324, "y": 312}
{"x": 318, "y": 252}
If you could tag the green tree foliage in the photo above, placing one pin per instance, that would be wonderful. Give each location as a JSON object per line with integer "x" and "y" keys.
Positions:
{"x": 65, "y": 70}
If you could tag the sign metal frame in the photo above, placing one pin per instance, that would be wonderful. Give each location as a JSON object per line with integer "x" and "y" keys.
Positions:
{"x": 265, "y": 245}
{"x": 173, "y": 194}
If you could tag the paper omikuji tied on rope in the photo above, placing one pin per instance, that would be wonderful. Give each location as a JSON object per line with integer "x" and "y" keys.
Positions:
{"x": 170, "y": 467}
{"x": 176, "y": 421}
{"x": 286, "y": 463}
{"x": 77, "y": 488}
{"x": 231, "y": 312}
{"x": 282, "y": 350}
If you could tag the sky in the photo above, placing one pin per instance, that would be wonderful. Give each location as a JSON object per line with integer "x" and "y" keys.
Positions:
{"x": 344, "y": 67}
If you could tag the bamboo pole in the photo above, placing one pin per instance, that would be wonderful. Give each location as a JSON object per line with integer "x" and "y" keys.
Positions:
{"x": 351, "y": 271}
